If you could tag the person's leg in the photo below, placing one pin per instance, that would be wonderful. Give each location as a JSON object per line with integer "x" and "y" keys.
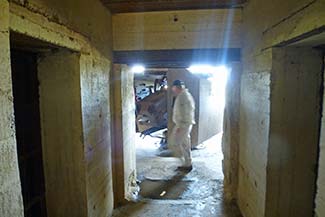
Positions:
{"x": 174, "y": 143}
{"x": 187, "y": 147}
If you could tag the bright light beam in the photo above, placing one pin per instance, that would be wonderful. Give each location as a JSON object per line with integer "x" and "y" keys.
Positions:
{"x": 138, "y": 69}
{"x": 208, "y": 69}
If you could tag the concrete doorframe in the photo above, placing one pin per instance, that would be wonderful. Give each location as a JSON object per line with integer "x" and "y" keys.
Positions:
{"x": 61, "y": 125}
{"x": 296, "y": 106}
{"x": 230, "y": 137}
{"x": 123, "y": 155}
{"x": 123, "y": 133}
{"x": 62, "y": 133}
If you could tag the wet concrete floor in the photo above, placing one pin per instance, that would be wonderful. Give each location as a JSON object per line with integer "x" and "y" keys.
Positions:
{"x": 166, "y": 192}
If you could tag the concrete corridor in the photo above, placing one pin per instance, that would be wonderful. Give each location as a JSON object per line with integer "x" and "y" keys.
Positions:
{"x": 67, "y": 107}
{"x": 176, "y": 194}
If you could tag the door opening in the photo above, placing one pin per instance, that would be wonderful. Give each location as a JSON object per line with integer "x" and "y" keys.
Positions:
{"x": 156, "y": 160}
{"x": 47, "y": 107}
{"x": 159, "y": 172}
{"x": 294, "y": 130}
{"x": 28, "y": 131}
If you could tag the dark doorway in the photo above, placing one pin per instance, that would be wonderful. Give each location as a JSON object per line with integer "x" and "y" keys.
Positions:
{"x": 28, "y": 131}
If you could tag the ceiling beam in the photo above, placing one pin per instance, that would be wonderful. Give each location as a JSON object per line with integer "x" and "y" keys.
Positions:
{"x": 177, "y": 58}
{"x": 125, "y": 6}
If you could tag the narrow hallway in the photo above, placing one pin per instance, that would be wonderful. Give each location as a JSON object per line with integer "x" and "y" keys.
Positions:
{"x": 81, "y": 79}
{"x": 167, "y": 192}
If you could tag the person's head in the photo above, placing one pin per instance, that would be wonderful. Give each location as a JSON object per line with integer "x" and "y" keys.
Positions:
{"x": 178, "y": 86}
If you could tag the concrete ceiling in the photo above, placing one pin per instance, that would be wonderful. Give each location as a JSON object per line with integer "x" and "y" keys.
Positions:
{"x": 124, "y": 6}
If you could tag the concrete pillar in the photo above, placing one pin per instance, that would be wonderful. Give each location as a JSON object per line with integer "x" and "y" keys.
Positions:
{"x": 230, "y": 139}
{"x": 95, "y": 89}
{"x": 62, "y": 134}
{"x": 123, "y": 133}
{"x": 11, "y": 203}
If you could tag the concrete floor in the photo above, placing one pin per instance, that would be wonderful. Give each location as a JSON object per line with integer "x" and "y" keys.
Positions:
{"x": 198, "y": 193}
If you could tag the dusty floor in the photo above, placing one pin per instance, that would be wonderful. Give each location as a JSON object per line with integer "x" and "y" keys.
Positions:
{"x": 166, "y": 192}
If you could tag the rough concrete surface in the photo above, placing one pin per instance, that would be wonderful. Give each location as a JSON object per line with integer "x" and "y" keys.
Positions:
{"x": 254, "y": 114}
{"x": 230, "y": 138}
{"x": 74, "y": 26}
{"x": 265, "y": 24}
{"x": 177, "y": 29}
{"x": 294, "y": 132}
{"x": 211, "y": 108}
{"x": 10, "y": 190}
{"x": 124, "y": 159}
{"x": 129, "y": 132}
{"x": 201, "y": 196}
{"x": 63, "y": 155}
{"x": 63, "y": 24}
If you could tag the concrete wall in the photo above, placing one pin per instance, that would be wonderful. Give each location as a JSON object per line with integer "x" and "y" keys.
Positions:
{"x": 65, "y": 24}
{"x": 254, "y": 126}
{"x": 265, "y": 24}
{"x": 320, "y": 197}
{"x": 62, "y": 143}
{"x": 11, "y": 203}
{"x": 210, "y": 111}
{"x": 177, "y": 29}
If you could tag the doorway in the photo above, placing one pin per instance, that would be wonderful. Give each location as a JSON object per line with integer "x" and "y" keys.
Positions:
{"x": 47, "y": 104}
{"x": 207, "y": 86}
{"x": 296, "y": 110}
{"x": 156, "y": 169}
{"x": 28, "y": 131}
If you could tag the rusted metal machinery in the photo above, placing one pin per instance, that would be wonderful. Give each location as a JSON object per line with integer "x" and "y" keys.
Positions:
{"x": 152, "y": 112}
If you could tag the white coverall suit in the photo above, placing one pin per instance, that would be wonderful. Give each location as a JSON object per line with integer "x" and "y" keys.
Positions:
{"x": 184, "y": 118}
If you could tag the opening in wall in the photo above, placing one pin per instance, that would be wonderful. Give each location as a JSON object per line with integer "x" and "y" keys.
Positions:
{"x": 28, "y": 131}
{"x": 47, "y": 102}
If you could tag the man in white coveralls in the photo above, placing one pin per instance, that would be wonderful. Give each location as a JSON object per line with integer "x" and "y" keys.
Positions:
{"x": 183, "y": 117}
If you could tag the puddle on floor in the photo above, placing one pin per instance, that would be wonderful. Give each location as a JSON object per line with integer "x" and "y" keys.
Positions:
{"x": 164, "y": 189}
{"x": 185, "y": 189}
